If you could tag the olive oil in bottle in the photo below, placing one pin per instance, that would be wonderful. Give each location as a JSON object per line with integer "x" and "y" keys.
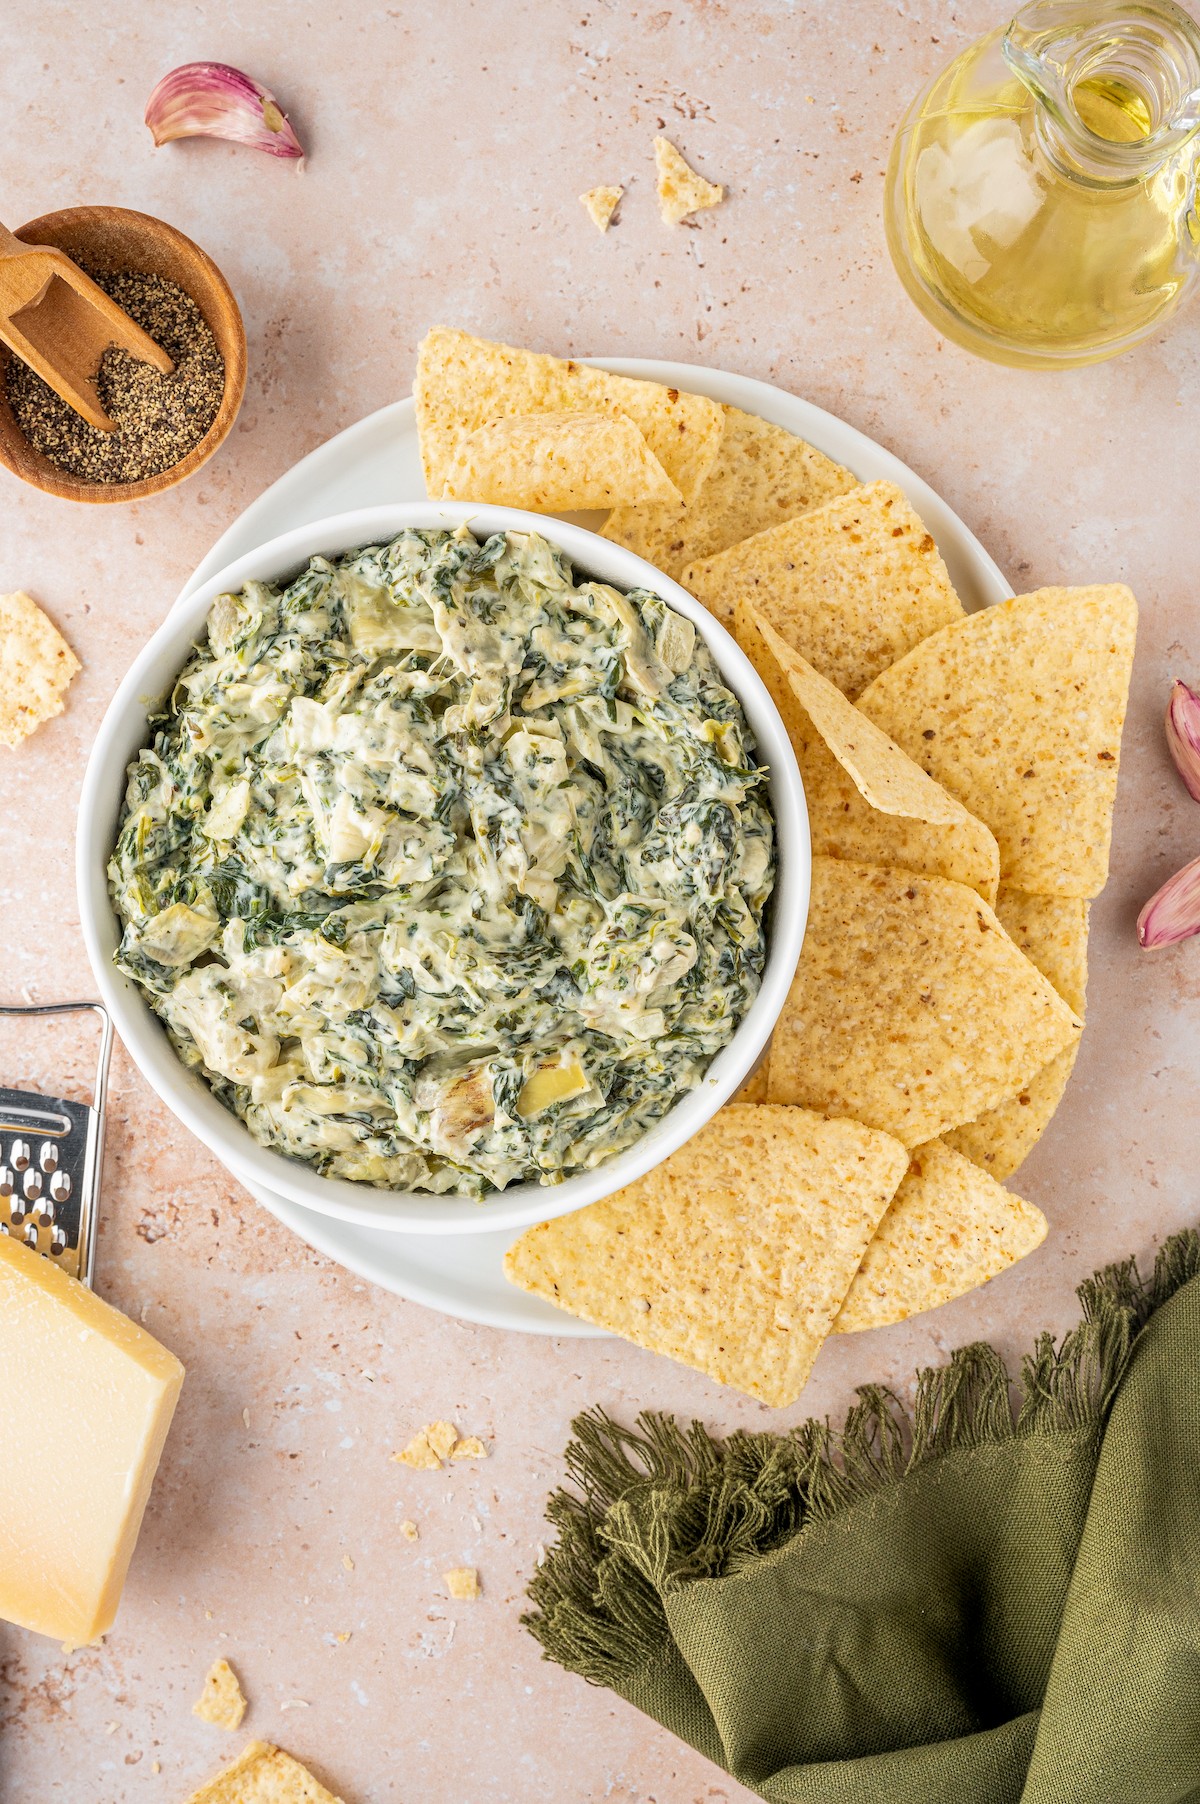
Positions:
{"x": 1041, "y": 194}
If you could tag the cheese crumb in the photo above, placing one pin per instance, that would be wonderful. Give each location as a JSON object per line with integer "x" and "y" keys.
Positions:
{"x": 344, "y": 1636}
{"x": 221, "y": 1702}
{"x": 469, "y": 1448}
{"x": 462, "y": 1582}
{"x": 601, "y": 204}
{"x": 409, "y": 1530}
{"x": 347, "y": 1562}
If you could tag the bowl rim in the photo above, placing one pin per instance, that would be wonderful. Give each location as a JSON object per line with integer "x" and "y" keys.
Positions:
{"x": 123, "y": 731}
{"x": 62, "y": 484}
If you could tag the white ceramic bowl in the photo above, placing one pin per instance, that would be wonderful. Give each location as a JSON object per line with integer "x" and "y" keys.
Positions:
{"x": 125, "y": 730}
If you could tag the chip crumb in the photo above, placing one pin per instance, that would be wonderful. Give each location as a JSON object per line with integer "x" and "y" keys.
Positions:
{"x": 426, "y": 1451}
{"x": 344, "y": 1636}
{"x": 295, "y": 1704}
{"x": 347, "y": 1562}
{"x": 680, "y": 190}
{"x": 246, "y": 1418}
{"x": 111, "y": 1728}
{"x": 462, "y": 1582}
{"x": 540, "y": 1555}
{"x": 222, "y": 1702}
{"x": 156, "y": 1766}
{"x": 409, "y": 1530}
{"x": 601, "y": 204}
{"x": 470, "y": 1447}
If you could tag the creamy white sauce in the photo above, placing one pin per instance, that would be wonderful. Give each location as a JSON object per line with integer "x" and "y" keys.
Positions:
{"x": 446, "y": 871}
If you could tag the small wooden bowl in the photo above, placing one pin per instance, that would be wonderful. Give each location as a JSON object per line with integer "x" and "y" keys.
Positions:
{"x": 114, "y": 238}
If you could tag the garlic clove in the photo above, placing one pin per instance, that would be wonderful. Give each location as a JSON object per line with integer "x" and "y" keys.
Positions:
{"x": 1183, "y": 735}
{"x": 1173, "y": 913}
{"x": 216, "y": 101}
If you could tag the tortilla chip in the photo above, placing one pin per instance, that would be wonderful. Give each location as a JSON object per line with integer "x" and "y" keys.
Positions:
{"x": 851, "y": 586}
{"x": 911, "y": 1009}
{"x": 949, "y": 1229}
{"x": 36, "y": 667}
{"x": 867, "y": 800}
{"x": 1001, "y": 1140}
{"x": 222, "y": 1701}
{"x": 1052, "y": 931}
{"x": 463, "y": 382}
{"x": 264, "y": 1775}
{"x": 552, "y": 462}
{"x": 762, "y": 476}
{"x": 1018, "y": 710}
{"x": 735, "y": 1254}
{"x": 680, "y": 190}
{"x": 601, "y": 204}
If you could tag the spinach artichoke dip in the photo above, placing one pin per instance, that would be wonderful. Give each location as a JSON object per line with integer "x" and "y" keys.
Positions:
{"x": 444, "y": 870}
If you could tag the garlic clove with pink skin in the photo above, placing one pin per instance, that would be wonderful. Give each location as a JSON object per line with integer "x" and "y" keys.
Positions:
{"x": 1173, "y": 913}
{"x": 216, "y": 101}
{"x": 1183, "y": 735}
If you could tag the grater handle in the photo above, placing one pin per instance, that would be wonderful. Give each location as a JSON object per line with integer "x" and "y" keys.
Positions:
{"x": 95, "y": 1154}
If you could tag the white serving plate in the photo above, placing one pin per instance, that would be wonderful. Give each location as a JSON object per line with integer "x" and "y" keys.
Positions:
{"x": 377, "y": 461}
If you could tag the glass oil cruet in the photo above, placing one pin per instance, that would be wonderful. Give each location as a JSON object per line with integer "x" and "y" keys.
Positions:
{"x": 1041, "y": 197}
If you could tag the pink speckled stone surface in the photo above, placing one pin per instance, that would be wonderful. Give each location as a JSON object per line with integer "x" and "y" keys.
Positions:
{"x": 447, "y": 146}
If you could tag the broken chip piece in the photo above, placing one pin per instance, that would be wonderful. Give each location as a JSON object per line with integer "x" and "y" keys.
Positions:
{"x": 222, "y": 1702}
{"x": 601, "y": 204}
{"x": 470, "y": 1447}
{"x": 462, "y": 1582}
{"x": 36, "y": 668}
{"x": 680, "y": 190}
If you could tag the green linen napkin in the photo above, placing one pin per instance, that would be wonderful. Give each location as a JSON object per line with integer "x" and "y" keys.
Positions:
{"x": 991, "y": 1598}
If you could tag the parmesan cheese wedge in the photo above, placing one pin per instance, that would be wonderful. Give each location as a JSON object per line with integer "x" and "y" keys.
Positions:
{"x": 84, "y": 1412}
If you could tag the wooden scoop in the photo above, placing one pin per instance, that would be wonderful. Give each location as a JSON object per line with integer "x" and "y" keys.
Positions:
{"x": 55, "y": 319}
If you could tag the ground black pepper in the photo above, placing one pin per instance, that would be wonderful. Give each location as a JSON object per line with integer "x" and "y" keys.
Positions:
{"x": 158, "y": 418}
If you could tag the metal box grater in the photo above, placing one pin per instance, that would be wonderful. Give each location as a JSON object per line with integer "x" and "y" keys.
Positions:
{"x": 51, "y": 1154}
